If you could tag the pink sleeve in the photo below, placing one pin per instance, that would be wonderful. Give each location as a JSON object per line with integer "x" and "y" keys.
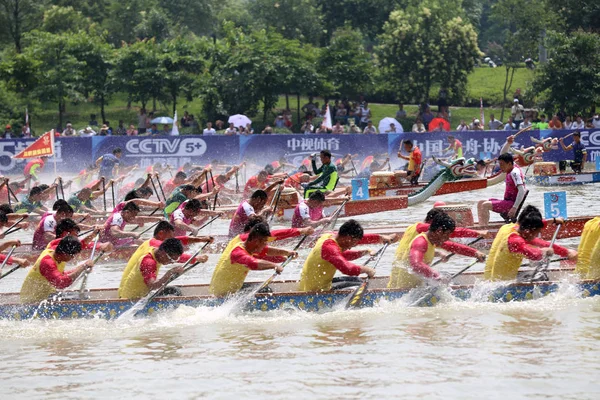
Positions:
{"x": 148, "y": 270}
{"x": 239, "y": 256}
{"x": 459, "y": 248}
{"x": 517, "y": 244}
{"x": 370, "y": 238}
{"x": 464, "y": 233}
{"x": 49, "y": 271}
{"x": 422, "y": 227}
{"x": 330, "y": 252}
{"x": 185, "y": 240}
{"x": 416, "y": 257}
{"x": 558, "y": 250}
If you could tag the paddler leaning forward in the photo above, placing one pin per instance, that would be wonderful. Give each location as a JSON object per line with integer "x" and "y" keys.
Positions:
{"x": 143, "y": 277}
{"x": 48, "y": 273}
{"x": 333, "y": 253}
{"x": 414, "y": 266}
{"x": 250, "y": 254}
{"x": 516, "y": 241}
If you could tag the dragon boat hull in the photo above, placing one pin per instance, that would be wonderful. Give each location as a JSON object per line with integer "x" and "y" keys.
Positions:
{"x": 102, "y": 303}
{"x": 564, "y": 179}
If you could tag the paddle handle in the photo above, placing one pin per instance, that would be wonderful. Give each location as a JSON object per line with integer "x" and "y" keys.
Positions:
{"x": 213, "y": 219}
{"x": 9, "y": 230}
{"x": 10, "y": 271}
{"x": 464, "y": 269}
{"x": 7, "y": 257}
{"x": 453, "y": 254}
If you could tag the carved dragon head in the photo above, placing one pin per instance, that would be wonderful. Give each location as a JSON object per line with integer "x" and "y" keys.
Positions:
{"x": 459, "y": 168}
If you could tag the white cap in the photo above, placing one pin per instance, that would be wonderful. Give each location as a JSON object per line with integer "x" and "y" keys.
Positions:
{"x": 515, "y": 100}
{"x": 476, "y": 121}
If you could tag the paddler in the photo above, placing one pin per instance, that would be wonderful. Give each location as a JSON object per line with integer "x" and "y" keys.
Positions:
{"x": 310, "y": 212}
{"x": 455, "y": 146}
{"x": 415, "y": 158}
{"x": 35, "y": 167}
{"x": 183, "y": 193}
{"x": 414, "y": 230}
{"x": 327, "y": 175}
{"x": 114, "y": 227}
{"x": 259, "y": 182}
{"x": 22, "y": 262}
{"x": 4, "y": 223}
{"x": 251, "y": 254}
{"x": 517, "y": 241}
{"x": 107, "y": 163}
{"x": 163, "y": 231}
{"x": 590, "y": 236}
{"x": 514, "y": 193}
{"x": 48, "y": 273}
{"x": 333, "y": 253}
{"x": 579, "y": 153}
{"x": 45, "y": 231}
{"x": 32, "y": 203}
{"x": 594, "y": 265}
{"x": 143, "y": 277}
{"x": 253, "y": 206}
{"x": 185, "y": 218}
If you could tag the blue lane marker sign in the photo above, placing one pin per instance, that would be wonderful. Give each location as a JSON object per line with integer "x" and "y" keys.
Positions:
{"x": 555, "y": 205}
{"x": 597, "y": 162}
{"x": 360, "y": 189}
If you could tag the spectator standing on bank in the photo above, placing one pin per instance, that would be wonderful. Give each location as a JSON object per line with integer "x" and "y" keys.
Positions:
{"x": 131, "y": 131}
{"x": 516, "y": 112}
{"x": 141, "y": 126}
{"x": 510, "y": 125}
{"x": 209, "y": 130}
{"x": 121, "y": 130}
{"x": 370, "y": 129}
{"x": 555, "y": 123}
{"x": 69, "y": 131}
{"x": 419, "y": 126}
{"x": 231, "y": 130}
{"x": 463, "y": 126}
{"x": 494, "y": 124}
{"x": 400, "y": 113}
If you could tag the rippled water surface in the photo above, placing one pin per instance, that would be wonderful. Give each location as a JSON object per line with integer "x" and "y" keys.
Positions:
{"x": 546, "y": 348}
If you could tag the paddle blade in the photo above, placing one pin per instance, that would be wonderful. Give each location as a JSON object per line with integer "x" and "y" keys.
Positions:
{"x": 356, "y": 298}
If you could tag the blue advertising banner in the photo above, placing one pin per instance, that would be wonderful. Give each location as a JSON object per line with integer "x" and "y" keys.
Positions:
{"x": 263, "y": 149}
{"x": 589, "y": 137}
{"x": 72, "y": 154}
{"x": 172, "y": 150}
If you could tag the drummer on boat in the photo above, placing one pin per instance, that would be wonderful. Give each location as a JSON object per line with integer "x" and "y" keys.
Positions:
{"x": 333, "y": 252}
{"x": 517, "y": 241}
{"x": 514, "y": 193}
{"x": 579, "y": 154}
{"x": 412, "y": 266}
{"x": 327, "y": 175}
{"x": 415, "y": 158}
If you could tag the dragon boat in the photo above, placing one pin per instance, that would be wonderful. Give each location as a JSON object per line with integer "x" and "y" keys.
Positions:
{"x": 104, "y": 304}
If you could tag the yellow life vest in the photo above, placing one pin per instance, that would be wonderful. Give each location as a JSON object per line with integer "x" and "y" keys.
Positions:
{"x": 139, "y": 253}
{"x": 589, "y": 237}
{"x": 317, "y": 274}
{"x": 594, "y": 270}
{"x": 402, "y": 251}
{"x": 402, "y": 274}
{"x": 133, "y": 286}
{"x": 228, "y": 277}
{"x": 36, "y": 287}
{"x": 502, "y": 264}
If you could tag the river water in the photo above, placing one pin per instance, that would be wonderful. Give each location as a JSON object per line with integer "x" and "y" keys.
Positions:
{"x": 545, "y": 348}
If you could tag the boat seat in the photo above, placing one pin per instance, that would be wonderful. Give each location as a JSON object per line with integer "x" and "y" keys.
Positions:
{"x": 505, "y": 216}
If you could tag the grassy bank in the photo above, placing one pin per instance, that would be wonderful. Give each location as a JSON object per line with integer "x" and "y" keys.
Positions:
{"x": 483, "y": 82}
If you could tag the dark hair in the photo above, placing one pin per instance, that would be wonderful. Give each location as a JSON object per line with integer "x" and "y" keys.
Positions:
{"x": 259, "y": 194}
{"x": 506, "y": 157}
{"x": 529, "y": 209}
{"x": 351, "y": 228}
{"x": 43, "y": 187}
{"x": 131, "y": 206}
{"x": 132, "y": 195}
{"x": 66, "y": 225}
{"x": 263, "y": 172}
{"x": 172, "y": 247}
{"x": 260, "y": 230}
{"x": 68, "y": 246}
{"x": 269, "y": 169}
{"x": 326, "y": 153}
{"x": 163, "y": 226}
{"x": 3, "y": 218}
{"x": 58, "y": 203}
{"x": 139, "y": 181}
{"x": 145, "y": 190}
{"x": 442, "y": 222}
{"x": 408, "y": 142}
{"x": 577, "y": 133}
{"x": 531, "y": 221}
{"x": 317, "y": 196}
{"x": 5, "y": 208}
{"x": 63, "y": 208}
{"x": 188, "y": 188}
{"x": 181, "y": 175}
{"x": 193, "y": 205}
{"x": 118, "y": 149}
{"x": 431, "y": 214}
{"x": 35, "y": 191}
{"x": 252, "y": 222}
{"x": 481, "y": 163}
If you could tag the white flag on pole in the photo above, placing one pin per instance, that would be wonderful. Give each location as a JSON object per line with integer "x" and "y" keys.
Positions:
{"x": 327, "y": 118}
{"x": 175, "y": 129}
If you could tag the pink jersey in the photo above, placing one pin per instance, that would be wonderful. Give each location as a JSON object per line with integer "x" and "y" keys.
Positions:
{"x": 513, "y": 179}
{"x": 240, "y": 218}
{"x": 47, "y": 224}
{"x": 302, "y": 212}
{"x": 114, "y": 220}
{"x": 178, "y": 215}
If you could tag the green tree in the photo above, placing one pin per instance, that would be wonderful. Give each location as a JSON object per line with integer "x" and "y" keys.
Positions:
{"x": 576, "y": 14}
{"x": 294, "y": 19}
{"x": 154, "y": 24}
{"x": 123, "y": 17}
{"x": 571, "y": 77}
{"x": 196, "y": 16}
{"x": 64, "y": 19}
{"x": 427, "y": 43}
{"x": 346, "y": 64}
{"x": 139, "y": 72}
{"x": 18, "y": 17}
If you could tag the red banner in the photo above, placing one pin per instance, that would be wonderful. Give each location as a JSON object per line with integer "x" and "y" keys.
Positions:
{"x": 44, "y": 146}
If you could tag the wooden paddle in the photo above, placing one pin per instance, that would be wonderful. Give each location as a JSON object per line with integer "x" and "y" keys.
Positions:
{"x": 144, "y": 301}
{"x": 334, "y": 217}
{"x": 463, "y": 270}
{"x": 356, "y": 299}
{"x": 276, "y": 200}
{"x": 104, "y": 193}
{"x": 161, "y": 189}
{"x": 155, "y": 191}
{"x": 544, "y": 265}
{"x": 213, "y": 219}
{"x": 150, "y": 227}
{"x": 87, "y": 271}
{"x": 112, "y": 186}
{"x": 523, "y": 130}
{"x": 452, "y": 254}
{"x": 10, "y": 229}
{"x": 272, "y": 277}
{"x": 213, "y": 185}
{"x": 6, "y": 260}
